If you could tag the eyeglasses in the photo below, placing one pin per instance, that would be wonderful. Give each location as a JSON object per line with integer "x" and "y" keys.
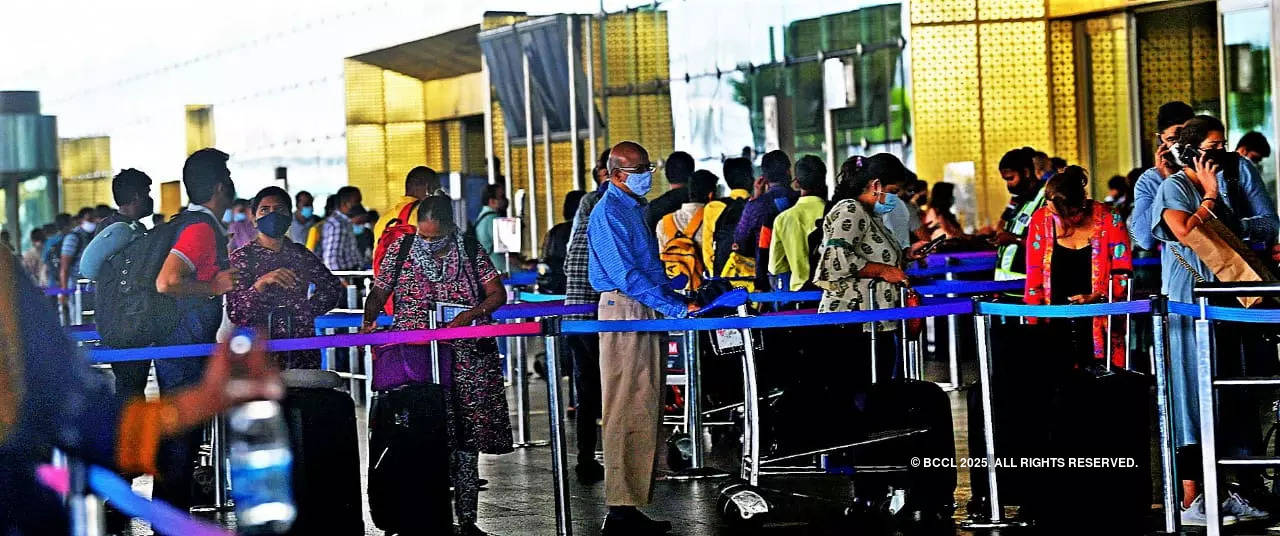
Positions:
{"x": 643, "y": 168}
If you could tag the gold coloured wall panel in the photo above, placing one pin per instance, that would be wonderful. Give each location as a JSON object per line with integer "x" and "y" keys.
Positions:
{"x": 450, "y": 98}
{"x": 453, "y": 129}
{"x": 406, "y": 149}
{"x": 364, "y": 92}
{"x": 1009, "y": 9}
{"x": 80, "y": 158}
{"x": 944, "y": 72}
{"x": 475, "y": 163}
{"x": 934, "y": 11}
{"x": 367, "y": 162}
{"x": 1111, "y": 131}
{"x": 402, "y": 97}
{"x": 636, "y": 44}
{"x": 1066, "y": 136}
{"x": 435, "y": 146}
{"x": 1204, "y": 63}
{"x": 80, "y": 193}
{"x": 199, "y": 127}
{"x": 1015, "y": 100}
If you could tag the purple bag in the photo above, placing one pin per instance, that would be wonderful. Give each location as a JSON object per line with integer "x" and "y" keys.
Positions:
{"x": 400, "y": 364}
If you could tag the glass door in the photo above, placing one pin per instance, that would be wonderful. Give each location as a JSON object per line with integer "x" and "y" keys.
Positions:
{"x": 1246, "y": 55}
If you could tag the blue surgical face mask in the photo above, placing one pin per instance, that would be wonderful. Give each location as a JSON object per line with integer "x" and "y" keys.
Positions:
{"x": 307, "y": 212}
{"x": 886, "y": 207}
{"x": 360, "y": 229}
{"x": 640, "y": 183}
{"x": 239, "y": 216}
{"x": 274, "y": 224}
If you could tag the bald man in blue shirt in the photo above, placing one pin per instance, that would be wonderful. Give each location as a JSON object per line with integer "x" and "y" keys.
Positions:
{"x": 623, "y": 266}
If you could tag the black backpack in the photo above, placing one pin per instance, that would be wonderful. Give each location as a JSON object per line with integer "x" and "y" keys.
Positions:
{"x": 722, "y": 236}
{"x": 470, "y": 234}
{"x": 131, "y": 313}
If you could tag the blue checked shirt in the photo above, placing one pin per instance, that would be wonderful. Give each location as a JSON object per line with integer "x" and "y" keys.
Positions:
{"x": 624, "y": 255}
{"x": 338, "y": 247}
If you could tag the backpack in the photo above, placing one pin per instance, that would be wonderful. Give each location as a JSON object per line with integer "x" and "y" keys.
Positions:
{"x": 53, "y": 257}
{"x": 722, "y": 236}
{"x": 395, "y": 230}
{"x": 471, "y": 233}
{"x": 131, "y": 313}
{"x": 680, "y": 255}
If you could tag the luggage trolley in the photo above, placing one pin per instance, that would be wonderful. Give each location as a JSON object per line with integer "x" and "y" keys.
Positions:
{"x": 765, "y": 484}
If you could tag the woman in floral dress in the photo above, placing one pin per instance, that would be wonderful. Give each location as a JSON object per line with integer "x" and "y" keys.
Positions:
{"x": 443, "y": 266}
{"x": 275, "y": 274}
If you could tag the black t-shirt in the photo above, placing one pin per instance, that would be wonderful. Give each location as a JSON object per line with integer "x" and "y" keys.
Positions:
{"x": 665, "y": 204}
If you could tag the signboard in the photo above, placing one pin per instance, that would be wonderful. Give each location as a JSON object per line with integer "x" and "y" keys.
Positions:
{"x": 506, "y": 235}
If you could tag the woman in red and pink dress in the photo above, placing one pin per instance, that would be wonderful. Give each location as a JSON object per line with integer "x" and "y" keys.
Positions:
{"x": 1075, "y": 246}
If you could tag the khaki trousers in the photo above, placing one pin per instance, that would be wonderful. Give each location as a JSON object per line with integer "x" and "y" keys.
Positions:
{"x": 631, "y": 384}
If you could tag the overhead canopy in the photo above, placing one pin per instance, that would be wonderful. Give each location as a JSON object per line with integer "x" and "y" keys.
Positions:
{"x": 446, "y": 55}
{"x": 545, "y": 41}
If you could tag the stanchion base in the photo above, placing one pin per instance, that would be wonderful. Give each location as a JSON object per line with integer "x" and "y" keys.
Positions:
{"x": 531, "y": 444}
{"x": 211, "y": 509}
{"x": 997, "y": 524}
{"x": 703, "y": 473}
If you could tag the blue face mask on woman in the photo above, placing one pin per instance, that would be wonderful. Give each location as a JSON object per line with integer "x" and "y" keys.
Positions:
{"x": 307, "y": 212}
{"x": 274, "y": 224}
{"x": 640, "y": 183}
{"x": 885, "y": 207}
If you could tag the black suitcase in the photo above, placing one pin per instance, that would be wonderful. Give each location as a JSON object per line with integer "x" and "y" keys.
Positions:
{"x": 1024, "y": 369}
{"x": 326, "y": 462}
{"x": 1097, "y": 418}
{"x": 896, "y": 406}
{"x": 409, "y": 461}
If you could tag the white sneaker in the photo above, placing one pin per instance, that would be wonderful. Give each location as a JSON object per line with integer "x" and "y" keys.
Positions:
{"x": 1195, "y": 516}
{"x": 1237, "y": 506}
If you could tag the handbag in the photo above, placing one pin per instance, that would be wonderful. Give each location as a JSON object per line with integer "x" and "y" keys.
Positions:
{"x": 400, "y": 364}
{"x": 1226, "y": 255}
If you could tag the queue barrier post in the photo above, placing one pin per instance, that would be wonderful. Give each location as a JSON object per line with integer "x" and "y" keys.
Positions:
{"x": 353, "y": 302}
{"x": 1171, "y": 489}
{"x": 555, "y": 417}
{"x": 520, "y": 380}
{"x": 750, "y": 408}
{"x": 77, "y": 312}
{"x": 85, "y": 510}
{"x": 953, "y": 347}
{"x": 995, "y": 516}
{"x": 1208, "y": 437}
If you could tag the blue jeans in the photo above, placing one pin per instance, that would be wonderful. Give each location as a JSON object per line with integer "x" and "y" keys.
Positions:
{"x": 177, "y": 456}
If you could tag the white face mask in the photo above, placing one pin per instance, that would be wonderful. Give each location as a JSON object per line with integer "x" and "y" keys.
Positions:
{"x": 89, "y": 226}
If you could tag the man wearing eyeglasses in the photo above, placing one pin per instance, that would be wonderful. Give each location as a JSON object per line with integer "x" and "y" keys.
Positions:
{"x": 623, "y": 266}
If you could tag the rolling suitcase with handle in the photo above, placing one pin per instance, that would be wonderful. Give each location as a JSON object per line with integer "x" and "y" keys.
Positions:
{"x": 326, "y": 455}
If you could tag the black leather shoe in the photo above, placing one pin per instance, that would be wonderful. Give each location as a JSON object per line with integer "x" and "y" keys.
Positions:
{"x": 589, "y": 472}
{"x": 638, "y": 525}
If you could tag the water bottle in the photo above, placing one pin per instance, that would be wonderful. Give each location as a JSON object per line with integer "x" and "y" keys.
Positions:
{"x": 261, "y": 460}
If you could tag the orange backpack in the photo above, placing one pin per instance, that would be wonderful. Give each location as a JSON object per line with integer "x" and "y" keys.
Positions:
{"x": 680, "y": 255}
{"x": 396, "y": 230}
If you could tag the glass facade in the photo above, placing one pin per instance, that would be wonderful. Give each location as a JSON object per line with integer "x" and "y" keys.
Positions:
{"x": 1246, "y": 41}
